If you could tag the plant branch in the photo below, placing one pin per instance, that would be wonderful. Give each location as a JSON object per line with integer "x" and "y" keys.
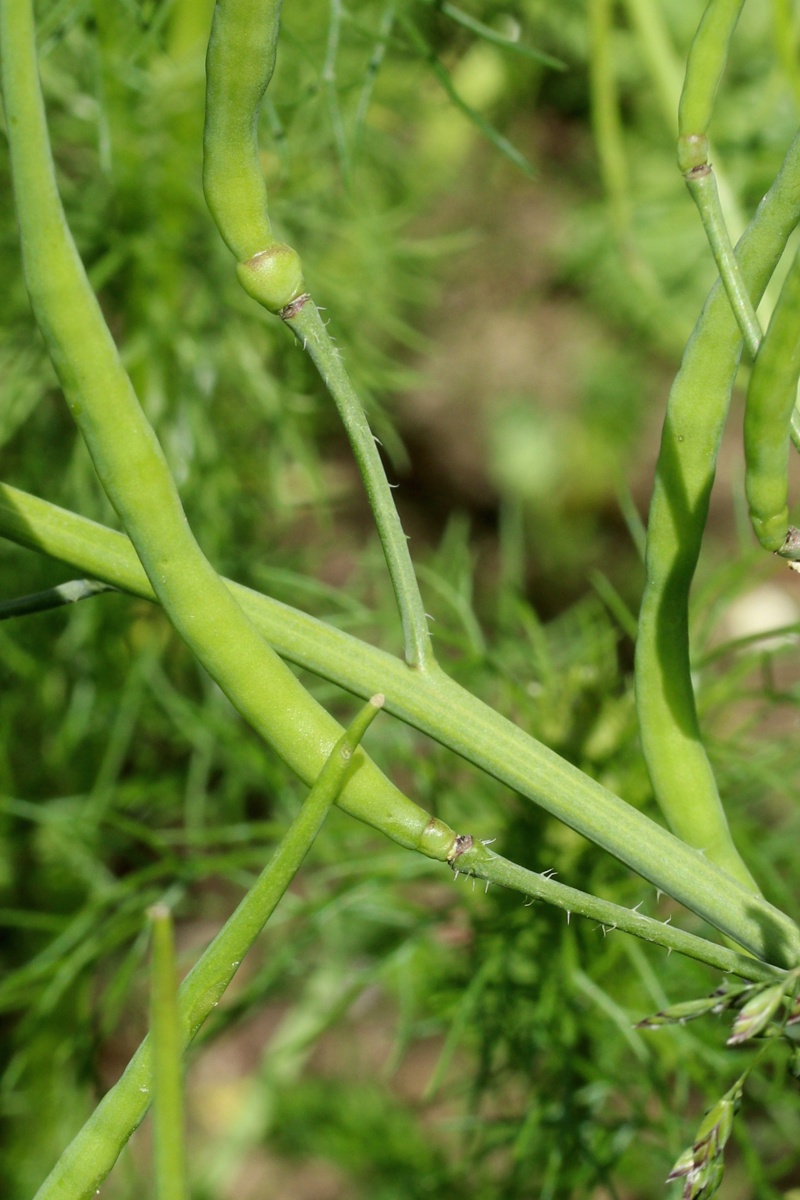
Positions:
{"x": 476, "y": 859}
{"x": 436, "y": 705}
{"x": 310, "y": 330}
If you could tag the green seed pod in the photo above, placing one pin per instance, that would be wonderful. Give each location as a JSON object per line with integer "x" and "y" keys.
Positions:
{"x": 682, "y": 777}
{"x": 239, "y": 65}
{"x": 771, "y": 400}
{"x": 274, "y": 277}
{"x": 437, "y": 840}
{"x": 706, "y": 62}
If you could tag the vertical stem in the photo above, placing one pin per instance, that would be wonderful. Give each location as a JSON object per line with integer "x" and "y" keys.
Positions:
{"x": 329, "y": 86}
{"x": 307, "y": 324}
{"x": 705, "y": 65}
{"x": 702, "y": 186}
{"x": 169, "y": 1155}
{"x": 606, "y": 119}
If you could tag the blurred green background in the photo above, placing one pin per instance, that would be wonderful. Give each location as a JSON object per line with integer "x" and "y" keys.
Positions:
{"x": 511, "y": 266}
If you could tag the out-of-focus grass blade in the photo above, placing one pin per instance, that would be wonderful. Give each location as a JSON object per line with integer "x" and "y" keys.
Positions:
{"x": 501, "y": 143}
{"x": 498, "y": 39}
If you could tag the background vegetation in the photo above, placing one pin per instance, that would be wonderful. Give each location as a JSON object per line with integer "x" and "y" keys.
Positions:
{"x": 513, "y": 329}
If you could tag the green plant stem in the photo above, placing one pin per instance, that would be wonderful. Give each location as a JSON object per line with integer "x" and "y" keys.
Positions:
{"x": 705, "y": 65}
{"x": 478, "y": 861}
{"x": 328, "y": 82}
{"x": 134, "y": 473}
{"x": 702, "y": 187}
{"x": 606, "y": 118}
{"x": 667, "y": 73}
{"x": 92, "y": 1153}
{"x": 373, "y": 67}
{"x": 785, "y": 43}
{"x": 610, "y": 145}
{"x": 169, "y": 1152}
{"x": 771, "y": 399}
{"x": 487, "y": 34}
{"x": 310, "y": 330}
{"x": 665, "y": 68}
{"x": 55, "y": 597}
{"x": 682, "y": 778}
{"x": 436, "y": 705}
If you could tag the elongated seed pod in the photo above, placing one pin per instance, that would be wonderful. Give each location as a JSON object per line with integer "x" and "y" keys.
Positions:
{"x": 770, "y": 404}
{"x": 239, "y": 66}
{"x": 682, "y": 778}
{"x": 705, "y": 64}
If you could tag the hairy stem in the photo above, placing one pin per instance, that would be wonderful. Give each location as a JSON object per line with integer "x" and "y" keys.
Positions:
{"x": 475, "y": 859}
{"x": 309, "y": 328}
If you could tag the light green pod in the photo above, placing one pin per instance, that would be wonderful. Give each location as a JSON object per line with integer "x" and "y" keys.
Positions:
{"x": 239, "y": 66}
{"x": 682, "y": 777}
{"x": 705, "y": 64}
{"x": 770, "y": 403}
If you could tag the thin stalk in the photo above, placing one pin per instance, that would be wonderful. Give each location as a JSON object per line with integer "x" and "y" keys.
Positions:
{"x": 90, "y": 1156}
{"x": 436, "y": 705}
{"x": 667, "y": 73}
{"x": 310, "y": 330}
{"x": 610, "y": 144}
{"x": 329, "y": 89}
{"x": 169, "y": 1147}
{"x": 606, "y": 118}
{"x": 702, "y": 186}
{"x": 441, "y": 74}
{"x": 373, "y": 67}
{"x": 476, "y": 859}
{"x": 706, "y": 62}
{"x": 487, "y": 34}
{"x": 666, "y": 69}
